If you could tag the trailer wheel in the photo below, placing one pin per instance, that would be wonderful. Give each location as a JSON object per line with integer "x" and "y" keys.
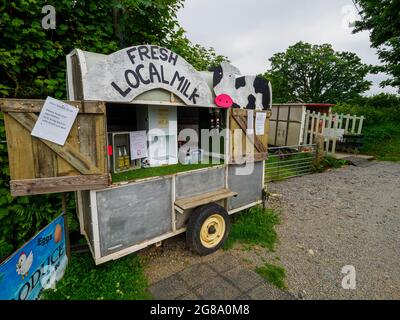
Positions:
{"x": 207, "y": 228}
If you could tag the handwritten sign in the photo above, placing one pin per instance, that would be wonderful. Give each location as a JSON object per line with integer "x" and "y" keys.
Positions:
{"x": 138, "y": 144}
{"x": 55, "y": 121}
{"x": 260, "y": 123}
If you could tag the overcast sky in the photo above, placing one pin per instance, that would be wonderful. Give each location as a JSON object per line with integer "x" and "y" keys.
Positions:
{"x": 249, "y": 32}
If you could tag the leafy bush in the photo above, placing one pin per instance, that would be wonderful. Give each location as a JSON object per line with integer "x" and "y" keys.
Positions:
{"x": 381, "y": 128}
{"x": 329, "y": 162}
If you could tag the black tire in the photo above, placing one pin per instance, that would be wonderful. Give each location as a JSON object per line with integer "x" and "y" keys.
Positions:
{"x": 196, "y": 220}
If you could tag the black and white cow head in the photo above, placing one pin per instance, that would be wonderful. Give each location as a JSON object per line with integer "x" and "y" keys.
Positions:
{"x": 232, "y": 89}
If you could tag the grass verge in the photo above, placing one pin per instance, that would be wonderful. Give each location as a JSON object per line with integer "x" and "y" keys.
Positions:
{"x": 254, "y": 226}
{"x": 156, "y": 171}
{"x": 273, "y": 274}
{"x": 122, "y": 279}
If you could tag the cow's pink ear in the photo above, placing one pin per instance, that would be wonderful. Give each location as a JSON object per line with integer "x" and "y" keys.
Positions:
{"x": 223, "y": 101}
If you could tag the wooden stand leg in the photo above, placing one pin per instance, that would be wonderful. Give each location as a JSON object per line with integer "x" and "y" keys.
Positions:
{"x": 65, "y": 212}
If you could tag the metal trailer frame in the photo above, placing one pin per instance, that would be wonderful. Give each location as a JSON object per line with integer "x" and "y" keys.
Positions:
{"x": 161, "y": 211}
{"x": 98, "y": 223}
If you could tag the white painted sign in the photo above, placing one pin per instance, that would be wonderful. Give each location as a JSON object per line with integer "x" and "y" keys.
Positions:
{"x": 250, "y": 121}
{"x": 334, "y": 133}
{"x": 138, "y": 144}
{"x": 55, "y": 121}
{"x": 260, "y": 123}
{"x": 125, "y": 74}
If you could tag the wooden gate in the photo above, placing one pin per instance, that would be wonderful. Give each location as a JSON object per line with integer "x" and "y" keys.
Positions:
{"x": 39, "y": 166}
{"x": 244, "y": 146}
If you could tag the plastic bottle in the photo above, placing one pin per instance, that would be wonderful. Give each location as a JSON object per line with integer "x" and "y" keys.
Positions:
{"x": 127, "y": 161}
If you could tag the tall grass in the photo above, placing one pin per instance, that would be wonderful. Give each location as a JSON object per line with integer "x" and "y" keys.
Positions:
{"x": 254, "y": 226}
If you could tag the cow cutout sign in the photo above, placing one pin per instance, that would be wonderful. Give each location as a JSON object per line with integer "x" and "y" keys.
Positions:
{"x": 234, "y": 90}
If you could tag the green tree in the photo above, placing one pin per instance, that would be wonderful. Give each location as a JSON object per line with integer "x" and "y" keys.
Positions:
{"x": 32, "y": 65}
{"x": 316, "y": 73}
{"x": 382, "y": 19}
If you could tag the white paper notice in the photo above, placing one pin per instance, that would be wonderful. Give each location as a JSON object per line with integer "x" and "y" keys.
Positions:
{"x": 55, "y": 121}
{"x": 260, "y": 123}
{"x": 250, "y": 121}
{"x": 138, "y": 143}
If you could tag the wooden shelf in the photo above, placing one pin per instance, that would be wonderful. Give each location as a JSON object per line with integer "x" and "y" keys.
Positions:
{"x": 204, "y": 198}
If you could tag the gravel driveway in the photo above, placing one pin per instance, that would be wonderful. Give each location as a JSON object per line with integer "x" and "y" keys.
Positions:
{"x": 347, "y": 216}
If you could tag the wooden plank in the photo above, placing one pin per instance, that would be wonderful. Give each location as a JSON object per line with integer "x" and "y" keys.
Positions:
{"x": 245, "y": 158}
{"x": 253, "y": 138}
{"x": 346, "y": 128}
{"x": 19, "y": 139}
{"x": 328, "y": 139}
{"x": 101, "y": 143}
{"x": 64, "y": 168}
{"x": 58, "y": 184}
{"x": 341, "y": 121}
{"x": 306, "y": 127}
{"x": 35, "y": 105}
{"x": 335, "y": 126}
{"x": 317, "y": 124}
{"x": 312, "y": 127}
{"x": 353, "y": 124}
{"x": 205, "y": 198}
{"x": 87, "y": 137}
{"x": 360, "y": 125}
{"x": 94, "y": 107}
{"x": 45, "y": 160}
{"x": 67, "y": 152}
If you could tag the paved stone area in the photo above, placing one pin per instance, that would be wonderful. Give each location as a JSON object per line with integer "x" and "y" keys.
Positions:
{"x": 220, "y": 279}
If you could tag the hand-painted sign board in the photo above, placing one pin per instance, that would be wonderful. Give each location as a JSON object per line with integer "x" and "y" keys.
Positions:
{"x": 125, "y": 74}
{"x": 36, "y": 266}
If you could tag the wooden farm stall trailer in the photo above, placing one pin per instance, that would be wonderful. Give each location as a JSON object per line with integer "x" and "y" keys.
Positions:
{"x": 123, "y": 154}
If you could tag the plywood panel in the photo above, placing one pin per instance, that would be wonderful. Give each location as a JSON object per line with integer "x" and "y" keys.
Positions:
{"x": 45, "y": 160}
{"x": 247, "y": 183}
{"x": 197, "y": 182}
{"x": 131, "y": 214}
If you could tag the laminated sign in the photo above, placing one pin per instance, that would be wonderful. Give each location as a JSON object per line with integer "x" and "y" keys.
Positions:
{"x": 55, "y": 121}
{"x": 36, "y": 266}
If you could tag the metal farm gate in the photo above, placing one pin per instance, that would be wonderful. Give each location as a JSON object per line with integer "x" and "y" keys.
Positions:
{"x": 289, "y": 161}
